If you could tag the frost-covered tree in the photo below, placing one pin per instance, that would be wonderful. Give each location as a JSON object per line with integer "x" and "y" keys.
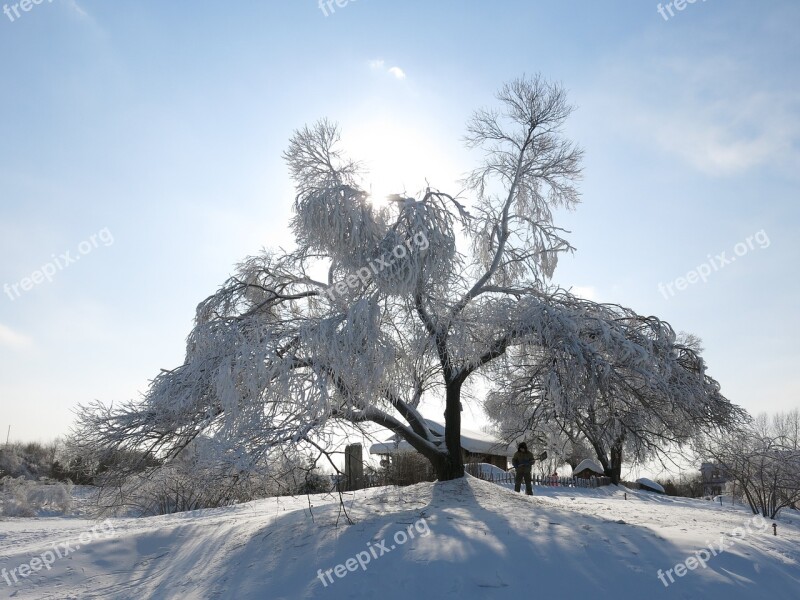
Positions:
{"x": 376, "y": 309}
{"x": 763, "y": 457}
{"x": 623, "y": 383}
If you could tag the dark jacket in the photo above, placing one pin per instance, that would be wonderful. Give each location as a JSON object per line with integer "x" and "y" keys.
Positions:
{"x": 523, "y": 461}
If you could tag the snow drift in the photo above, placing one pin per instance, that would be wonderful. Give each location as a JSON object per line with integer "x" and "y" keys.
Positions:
{"x": 484, "y": 541}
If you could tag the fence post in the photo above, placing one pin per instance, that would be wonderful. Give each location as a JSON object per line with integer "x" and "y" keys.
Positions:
{"x": 353, "y": 467}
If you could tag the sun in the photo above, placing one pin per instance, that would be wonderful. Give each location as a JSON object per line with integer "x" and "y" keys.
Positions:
{"x": 397, "y": 159}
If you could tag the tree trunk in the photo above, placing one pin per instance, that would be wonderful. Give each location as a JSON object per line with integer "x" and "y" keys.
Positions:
{"x": 614, "y": 470}
{"x": 451, "y": 466}
{"x": 608, "y": 466}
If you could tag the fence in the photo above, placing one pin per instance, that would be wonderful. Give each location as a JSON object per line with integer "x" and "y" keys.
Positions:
{"x": 547, "y": 480}
{"x": 371, "y": 480}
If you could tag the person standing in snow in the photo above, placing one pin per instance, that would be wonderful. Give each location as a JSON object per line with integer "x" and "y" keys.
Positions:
{"x": 523, "y": 463}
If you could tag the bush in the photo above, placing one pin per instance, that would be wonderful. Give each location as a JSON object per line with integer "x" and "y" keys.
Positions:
{"x": 314, "y": 483}
{"x": 407, "y": 469}
{"x": 690, "y": 487}
{"x": 20, "y": 497}
{"x": 204, "y": 477}
{"x": 670, "y": 489}
{"x": 82, "y": 467}
{"x": 30, "y": 460}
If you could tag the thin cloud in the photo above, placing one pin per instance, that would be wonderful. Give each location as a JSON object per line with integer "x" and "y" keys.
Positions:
{"x": 11, "y": 339}
{"x": 734, "y": 134}
{"x": 81, "y": 15}
{"x": 77, "y": 9}
{"x": 397, "y": 72}
{"x": 380, "y": 65}
{"x": 699, "y": 111}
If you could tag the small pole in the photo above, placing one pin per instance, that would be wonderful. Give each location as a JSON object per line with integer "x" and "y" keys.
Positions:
{"x": 774, "y": 529}
{"x": 8, "y": 434}
{"x": 626, "y": 495}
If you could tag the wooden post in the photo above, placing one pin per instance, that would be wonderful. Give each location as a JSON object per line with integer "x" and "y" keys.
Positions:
{"x": 353, "y": 467}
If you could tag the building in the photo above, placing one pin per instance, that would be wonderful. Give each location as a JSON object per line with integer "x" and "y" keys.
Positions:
{"x": 713, "y": 478}
{"x": 588, "y": 469}
{"x": 476, "y": 447}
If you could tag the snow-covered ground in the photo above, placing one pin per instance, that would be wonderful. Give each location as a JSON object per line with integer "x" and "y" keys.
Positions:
{"x": 463, "y": 539}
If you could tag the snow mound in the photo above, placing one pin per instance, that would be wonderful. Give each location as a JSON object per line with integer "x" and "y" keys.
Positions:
{"x": 466, "y": 539}
{"x": 649, "y": 483}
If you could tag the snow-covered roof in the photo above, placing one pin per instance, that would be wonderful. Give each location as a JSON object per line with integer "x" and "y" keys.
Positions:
{"x": 471, "y": 441}
{"x": 589, "y": 464}
{"x": 651, "y": 484}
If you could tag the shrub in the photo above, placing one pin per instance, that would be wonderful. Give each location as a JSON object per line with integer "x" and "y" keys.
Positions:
{"x": 20, "y": 497}
{"x": 30, "y": 460}
{"x": 203, "y": 476}
{"x": 407, "y": 468}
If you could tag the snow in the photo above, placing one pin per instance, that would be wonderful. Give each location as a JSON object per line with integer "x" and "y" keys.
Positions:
{"x": 651, "y": 484}
{"x": 589, "y": 464}
{"x": 486, "y": 470}
{"x": 482, "y": 542}
{"x": 727, "y": 499}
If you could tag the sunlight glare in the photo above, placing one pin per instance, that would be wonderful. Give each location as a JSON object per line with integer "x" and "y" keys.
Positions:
{"x": 397, "y": 159}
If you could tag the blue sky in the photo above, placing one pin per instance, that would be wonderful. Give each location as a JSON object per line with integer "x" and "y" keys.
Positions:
{"x": 158, "y": 129}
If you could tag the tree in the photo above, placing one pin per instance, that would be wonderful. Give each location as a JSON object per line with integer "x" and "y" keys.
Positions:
{"x": 377, "y": 308}
{"x": 624, "y": 383}
{"x": 690, "y": 486}
{"x": 763, "y": 457}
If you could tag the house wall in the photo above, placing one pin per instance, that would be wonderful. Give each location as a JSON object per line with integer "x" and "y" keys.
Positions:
{"x": 586, "y": 474}
{"x": 493, "y": 459}
{"x": 714, "y": 479}
{"x": 497, "y": 460}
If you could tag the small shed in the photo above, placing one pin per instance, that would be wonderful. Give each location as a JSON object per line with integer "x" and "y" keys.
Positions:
{"x": 588, "y": 469}
{"x": 649, "y": 485}
{"x": 476, "y": 447}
